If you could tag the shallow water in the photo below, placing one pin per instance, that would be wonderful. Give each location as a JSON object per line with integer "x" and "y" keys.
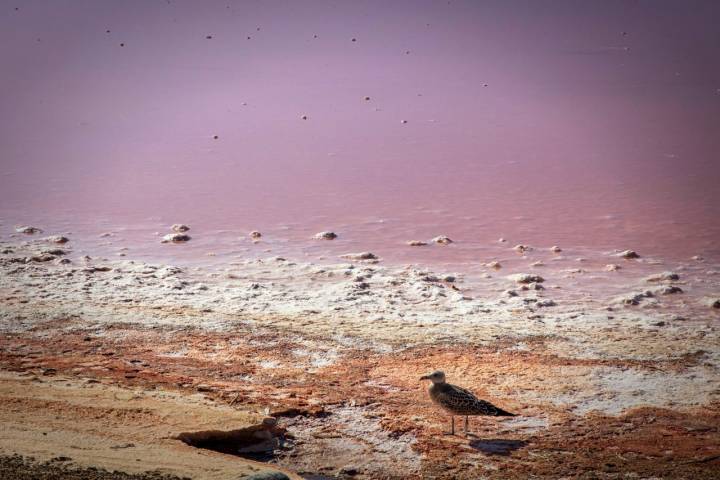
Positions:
{"x": 593, "y": 127}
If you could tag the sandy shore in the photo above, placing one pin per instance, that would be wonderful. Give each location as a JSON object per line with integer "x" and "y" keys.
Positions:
{"x": 98, "y": 354}
{"x": 71, "y": 427}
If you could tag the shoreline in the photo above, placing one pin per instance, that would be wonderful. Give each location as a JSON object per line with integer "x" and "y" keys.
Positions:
{"x": 334, "y": 352}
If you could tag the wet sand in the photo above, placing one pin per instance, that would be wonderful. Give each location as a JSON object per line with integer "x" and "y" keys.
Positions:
{"x": 607, "y": 381}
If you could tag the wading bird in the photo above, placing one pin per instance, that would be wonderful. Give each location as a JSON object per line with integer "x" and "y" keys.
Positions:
{"x": 459, "y": 401}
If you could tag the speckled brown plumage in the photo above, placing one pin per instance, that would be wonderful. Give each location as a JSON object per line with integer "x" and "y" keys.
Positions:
{"x": 459, "y": 401}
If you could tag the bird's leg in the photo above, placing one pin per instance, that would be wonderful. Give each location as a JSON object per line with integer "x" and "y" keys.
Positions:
{"x": 466, "y": 424}
{"x": 452, "y": 424}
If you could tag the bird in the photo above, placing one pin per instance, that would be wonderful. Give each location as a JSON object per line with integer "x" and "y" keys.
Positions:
{"x": 459, "y": 401}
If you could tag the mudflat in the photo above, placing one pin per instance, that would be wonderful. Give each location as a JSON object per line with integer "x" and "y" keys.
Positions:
{"x": 149, "y": 369}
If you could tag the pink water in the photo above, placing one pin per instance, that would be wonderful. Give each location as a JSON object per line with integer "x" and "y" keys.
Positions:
{"x": 590, "y": 125}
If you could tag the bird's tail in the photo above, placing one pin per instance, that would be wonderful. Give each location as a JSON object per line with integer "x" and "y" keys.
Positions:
{"x": 503, "y": 413}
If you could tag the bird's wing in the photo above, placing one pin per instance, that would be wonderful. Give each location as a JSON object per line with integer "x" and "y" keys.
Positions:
{"x": 465, "y": 402}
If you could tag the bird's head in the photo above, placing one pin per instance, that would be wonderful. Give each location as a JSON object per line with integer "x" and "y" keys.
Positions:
{"x": 436, "y": 377}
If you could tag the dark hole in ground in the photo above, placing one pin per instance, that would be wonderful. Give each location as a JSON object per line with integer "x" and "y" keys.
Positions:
{"x": 254, "y": 443}
{"x": 257, "y": 442}
{"x": 262, "y": 442}
{"x": 292, "y": 412}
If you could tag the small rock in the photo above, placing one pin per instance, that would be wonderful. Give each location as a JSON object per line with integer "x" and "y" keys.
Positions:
{"x": 628, "y": 254}
{"x": 714, "y": 302}
{"x": 61, "y": 459}
{"x": 449, "y": 278}
{"x": 635, "y": 299}
{"x": 57, "y": 239}
{"x": 122, "y": 445}
{"x": 494, "y": 264}
{"x": 442, "y": 240}
{"x": 360, "y": 256}
{"x": 663, "y": 277}
{"x": 349, "y": 470}
{"x": 180, "y": 227}
{"x": 426, "y": 277}
{"x": 175, "y": 238}
{"x": 255, "y": 235}
{"x": 546, "y": 303}
{"x": 612, "y": 267}
{"x": 697, "y": 258}
{"x": 669, "y": 290}
{"x": 43, "y": 257}
{"x": 522, "y": 248}
{"x": 97, "y": 268}
{"x": 526, "y": 278}
{"x": 556, "y": 249}
{"x": 325, "y": 236}
{"x": 55, "y": 251}
{"x": 267, "y": 476}
{"x": 502, "y": 240}
{"x": 511, "y": 293}
{"x": 416, "y": 243}
{"x": 27, "y": 230}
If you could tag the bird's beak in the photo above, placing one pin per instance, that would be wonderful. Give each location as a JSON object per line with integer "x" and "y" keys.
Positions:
{"x": 425, "y": 377}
